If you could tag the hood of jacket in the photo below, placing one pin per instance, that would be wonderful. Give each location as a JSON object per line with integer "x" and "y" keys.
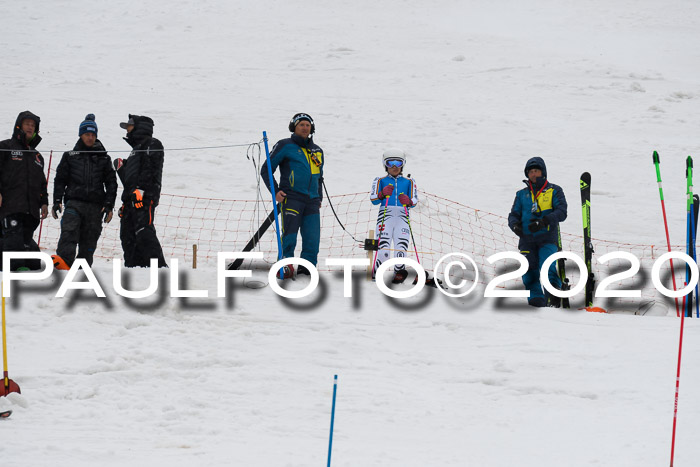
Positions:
{"x": 536, "y": 162}
{"x": 143, "y": 130}
{"x": 19, "y": 135}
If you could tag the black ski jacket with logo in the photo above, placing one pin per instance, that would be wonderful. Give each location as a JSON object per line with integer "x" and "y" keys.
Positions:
{"x": 22, "y": 179}
{"x": 144, "y": 167}
{"x": 86, "y": 174}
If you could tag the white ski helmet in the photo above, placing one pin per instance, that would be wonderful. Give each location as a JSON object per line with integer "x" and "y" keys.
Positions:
{"x": 393, "y": 153}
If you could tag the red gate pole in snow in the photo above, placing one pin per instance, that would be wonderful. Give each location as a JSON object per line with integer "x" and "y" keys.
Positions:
{"x": 689, "y": 275}
{"x": 678, "y": 380}
{"x": 657, "y": 161}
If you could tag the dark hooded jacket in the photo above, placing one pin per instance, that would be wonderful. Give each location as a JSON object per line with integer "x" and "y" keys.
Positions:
{"x": 86, "y": 174}
{"x": 550, "y": 206}
{"x": 144, "y": 167}
{"x": 22, "y": 179}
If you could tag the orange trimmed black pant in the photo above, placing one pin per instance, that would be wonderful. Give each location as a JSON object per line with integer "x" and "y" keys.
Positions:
{"x": 138, "y": 236}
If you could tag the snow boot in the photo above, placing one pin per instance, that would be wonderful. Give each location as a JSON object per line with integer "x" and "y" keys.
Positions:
{"x": 288, "y": 272}
{"x": 302, "y": 270}
{"x": 400, "y": 276}
{"x": 552, "y": 301}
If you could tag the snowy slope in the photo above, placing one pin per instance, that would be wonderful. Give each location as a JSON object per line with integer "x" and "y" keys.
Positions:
{"x": 470, "y": 90}
{"x": 251, "y": 385}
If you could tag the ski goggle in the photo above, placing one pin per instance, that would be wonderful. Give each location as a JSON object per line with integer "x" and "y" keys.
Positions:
{"x": 393, "y": 163}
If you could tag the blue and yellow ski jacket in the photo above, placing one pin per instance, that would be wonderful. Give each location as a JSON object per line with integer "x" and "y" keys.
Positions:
{"x": 543, "y": 200}
{"x": 301, "y": 167}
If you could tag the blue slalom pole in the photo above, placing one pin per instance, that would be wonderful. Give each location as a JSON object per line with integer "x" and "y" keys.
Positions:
{"x": 694, "y": 253}
{"x": 691, "y": 253}
{"x": 688, "y": 308}
{"x": 330, "y": 440}
{"x": 274, "y": 201}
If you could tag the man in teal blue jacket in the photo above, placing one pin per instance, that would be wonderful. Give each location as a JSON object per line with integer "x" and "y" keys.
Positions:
{"x": 535, "y": 216}
{"x": 300, "y": 162}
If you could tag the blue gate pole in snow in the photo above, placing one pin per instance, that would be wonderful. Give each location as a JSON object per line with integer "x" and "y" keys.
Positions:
{"x": 693, "y": 234}
{"x": 691, "y": 252}
{"x": 694, "y": 221}
{"x": 690, "y": 238}
{"x": 274, "y": 201}
{"x": 330, "y": 439}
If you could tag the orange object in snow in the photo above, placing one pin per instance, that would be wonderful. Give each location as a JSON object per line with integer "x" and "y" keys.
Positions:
{"x": 59, "y": 263}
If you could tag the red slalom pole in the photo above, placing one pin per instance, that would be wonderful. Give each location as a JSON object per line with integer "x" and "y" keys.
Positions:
{"x": 689, "y": 178}
{"x": 657, "y": 161}
{"x": 678, "y": 380}
{"x": 48, "y": 172}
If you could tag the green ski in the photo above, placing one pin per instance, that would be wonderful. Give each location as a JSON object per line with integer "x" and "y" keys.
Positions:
{"x": 587, "y": 245}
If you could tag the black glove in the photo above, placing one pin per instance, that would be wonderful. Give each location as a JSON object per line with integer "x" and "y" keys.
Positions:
{"x": 56, "y": 209}
{"x": 120, "y": 213}
{"x": 107, "y": 213}
{"x": 518, "y": 229}
{"x": 536, "y": 225}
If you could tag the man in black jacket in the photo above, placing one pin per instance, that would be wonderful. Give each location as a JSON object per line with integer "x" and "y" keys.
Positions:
{"x": 23, "y": 196}
{"x": 141, "y": 174}
{"x": 85, "y": 180}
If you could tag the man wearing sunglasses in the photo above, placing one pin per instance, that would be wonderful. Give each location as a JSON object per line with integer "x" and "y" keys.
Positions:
{"x": 299, "y": 190}
{"x": 396, "y": 194}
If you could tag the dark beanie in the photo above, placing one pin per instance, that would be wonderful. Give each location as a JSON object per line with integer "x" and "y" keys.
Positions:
{"x": 88, "y": 125}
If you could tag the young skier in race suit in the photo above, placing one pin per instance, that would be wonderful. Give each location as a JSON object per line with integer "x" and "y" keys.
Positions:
{"x": 300, "y": 190}
{"x": 535, "y": 216}
{"x": 396, "y": 195}
{"x": 86, "y": 181}
{"x": 23, "y": 196}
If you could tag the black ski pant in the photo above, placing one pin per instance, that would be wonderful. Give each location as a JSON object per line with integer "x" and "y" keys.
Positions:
{"x": 81, "y": 226}
{"x": 18, "y": 235}
{"x": 138, "y": 236}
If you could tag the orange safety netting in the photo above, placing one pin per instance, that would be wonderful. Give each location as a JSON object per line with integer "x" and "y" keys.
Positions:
{"x": 440, "y": 226}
